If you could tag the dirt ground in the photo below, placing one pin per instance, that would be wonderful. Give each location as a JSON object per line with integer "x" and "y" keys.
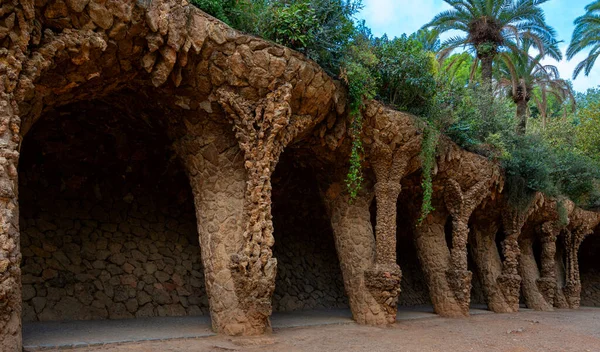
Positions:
{"x": 525, "y": 331}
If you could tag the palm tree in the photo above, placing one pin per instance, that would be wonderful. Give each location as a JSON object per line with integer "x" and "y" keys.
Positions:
{"x": 429, "y": 39}
{"x": 520, "y": 74}
{"x": 561, "y": 90}
{"x": 586, "y": 35}
{"x": 491, "y": 26}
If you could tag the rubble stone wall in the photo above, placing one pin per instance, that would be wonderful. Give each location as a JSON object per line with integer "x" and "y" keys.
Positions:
{"x": 590, "y": 271}
{"x": 108, "y": 227}
{"x": 308, "y": 269}
{"x": 109, "y": 258}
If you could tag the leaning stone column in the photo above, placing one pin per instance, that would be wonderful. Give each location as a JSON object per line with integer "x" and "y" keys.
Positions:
{"x": 10, "y": 251}
{"x": 560, "y": 301}
{"x": 531, "y": 279}
{"x": 434, "y": 256}
{"x": 217, "y": 176}
{"x": 488, "y": 263}
{"x": 355, "y": 244}
{"x": 383, "y": 279}
{"x": 16, "y": 24}
{"x": 461, "y": 206}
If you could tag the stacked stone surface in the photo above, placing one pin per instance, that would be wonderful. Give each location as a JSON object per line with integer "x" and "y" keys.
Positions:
{"x": 226, "y": 106}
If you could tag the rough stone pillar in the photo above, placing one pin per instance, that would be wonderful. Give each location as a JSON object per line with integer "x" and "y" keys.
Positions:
{"x": 488, "y": 263}
{"x": 262, "y": 129}
{"x": 560, "y": 301}
{"x": 355, "y": 244}
{"x": 572, "y": 290}
{"x": 434, "y": 256}
{"x": 461, "y": 206}
{"x": 215, "y": 167}
{"x": 547, "y": 283}
{"x": 383, "y": 279}
{"x": 10, "y": 251}
{"x": 530, "y": 275}
{"x": 16, "y": 24}
{"x": 509, "y": 281}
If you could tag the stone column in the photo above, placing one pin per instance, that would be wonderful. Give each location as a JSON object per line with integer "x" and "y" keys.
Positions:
{"x": 215, "y": 167}
{"x": 509, "y": 282}
{"x": 530, "y": 275}
{"x": 389, "y": 165}
{"x": 560, "y": 301}
{"x": 10, "y": 251}
{"x": 461, "y": 206}
{"x": 547, "y": 283}
{"x": 262, "y": 130}
{"x": 488, "y": 263}
{"x": 15, "y": 34}
{"x": 355, "y": 244}
{"x": 434, "y": 256}
{"x": 572, "y": 290}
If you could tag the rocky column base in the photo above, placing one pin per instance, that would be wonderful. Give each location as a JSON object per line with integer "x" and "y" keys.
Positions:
{"x": 384, "y": 284}
{"x": 573, "y": 295}
{"x": 355, "y": 244}
{"x": 460, "y": 282}
{"x": 510, "y": 287}
{"x": 547, "y": 287}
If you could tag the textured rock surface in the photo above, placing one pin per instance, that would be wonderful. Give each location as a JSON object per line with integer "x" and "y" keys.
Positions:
{"x": 230, "y": 105}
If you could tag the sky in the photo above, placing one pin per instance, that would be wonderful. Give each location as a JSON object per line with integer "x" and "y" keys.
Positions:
{"x": 396, "y": 17}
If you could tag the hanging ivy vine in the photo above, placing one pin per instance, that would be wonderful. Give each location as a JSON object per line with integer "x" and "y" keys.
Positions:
{"x": 361, "y": 86}
{"x": 428, "y": 153}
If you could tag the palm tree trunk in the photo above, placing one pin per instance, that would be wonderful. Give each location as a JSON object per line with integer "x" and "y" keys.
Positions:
{"x": 544, "y": 120}
{"x": 521, "y": 116}
{"x": 486, "y": 73}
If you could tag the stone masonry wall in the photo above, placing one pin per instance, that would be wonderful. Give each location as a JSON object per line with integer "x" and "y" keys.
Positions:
{"x": 108, "y": 226}
{"x": 590, "y": 271}
{"x": 308, "y": 270}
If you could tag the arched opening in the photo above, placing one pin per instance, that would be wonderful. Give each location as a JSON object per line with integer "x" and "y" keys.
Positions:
{"x": 589, "y": 268}
{"x": 308, "y": 270}
{"x": 108, "y": 227}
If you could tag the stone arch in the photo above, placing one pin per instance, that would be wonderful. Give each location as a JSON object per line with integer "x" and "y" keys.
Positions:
{"x": 108, "y": 226}
{"x": 204, "y": 76}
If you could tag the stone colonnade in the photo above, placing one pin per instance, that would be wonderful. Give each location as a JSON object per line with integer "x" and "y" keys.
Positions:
{"x": 237, "y": 102}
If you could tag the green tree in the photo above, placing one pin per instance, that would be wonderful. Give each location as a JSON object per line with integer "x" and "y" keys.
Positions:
{"x": 586, "y": 36}
{"x": 491, "y": 26}
{"x": 588, "y": 129}
{"x": 405, "y": 72}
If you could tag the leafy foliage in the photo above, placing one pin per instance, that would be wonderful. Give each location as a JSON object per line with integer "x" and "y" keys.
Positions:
{"x": 361, "y": 85}
{"x": 428, "y": 154}
{"x": 405, "y": 72}
{"x": 292, "y": 25}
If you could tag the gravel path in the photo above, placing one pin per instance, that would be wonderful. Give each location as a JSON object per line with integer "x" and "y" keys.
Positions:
{"x": 563, "y": 330}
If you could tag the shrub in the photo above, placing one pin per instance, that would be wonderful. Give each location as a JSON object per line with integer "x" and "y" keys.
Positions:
{"x": 406, "y": 74}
